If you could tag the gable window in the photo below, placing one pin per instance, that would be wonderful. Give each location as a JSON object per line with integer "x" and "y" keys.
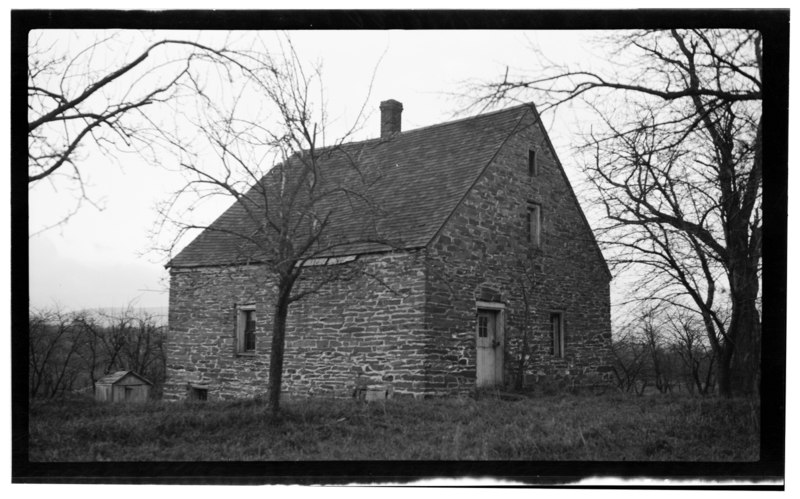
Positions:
{"x": 557, "y": 333}
{"x": 534, "y": 224}
{"x": 533, "y": 164}
{"x": 246, "y": 329}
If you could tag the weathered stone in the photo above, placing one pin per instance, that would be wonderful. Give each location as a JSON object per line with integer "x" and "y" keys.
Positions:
{"x": 418, "y": 336}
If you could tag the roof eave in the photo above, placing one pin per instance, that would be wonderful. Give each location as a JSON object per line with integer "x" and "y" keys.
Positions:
{"x": 403, "y": 249}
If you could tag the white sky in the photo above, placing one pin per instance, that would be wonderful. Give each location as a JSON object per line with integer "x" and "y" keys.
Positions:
{"x": 104, "y": 258}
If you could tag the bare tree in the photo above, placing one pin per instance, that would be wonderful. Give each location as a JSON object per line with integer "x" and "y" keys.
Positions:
{"x": 54, "y": 340}
{"x": 105, "y": 341}
{"x": 127, "y": 339}
{"x": 80, "y": 97}
{"x": 677, "y": 166}
{"x": 656, "y": 340}
{"x": 91, "y": 353}
{"x": 267, "y": 139}
{"x": 143, "y": 351}
{"x": 630, "y": 360}
{"x": 691, "y": 346}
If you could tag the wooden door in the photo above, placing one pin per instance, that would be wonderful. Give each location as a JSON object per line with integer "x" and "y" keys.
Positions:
{"x": 489, "y": 346}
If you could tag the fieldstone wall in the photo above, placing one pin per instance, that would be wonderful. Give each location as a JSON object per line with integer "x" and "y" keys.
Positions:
{"x": 364, "y": 331}
{"x": 478, "y": 256}
{"x": 405, "y": 322}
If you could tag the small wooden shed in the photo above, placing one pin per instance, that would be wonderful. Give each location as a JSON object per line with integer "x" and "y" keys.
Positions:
{"x": 122, "y": 386}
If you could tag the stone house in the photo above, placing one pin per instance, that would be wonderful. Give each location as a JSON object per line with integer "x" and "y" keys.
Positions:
{"x": 494, "y": 258}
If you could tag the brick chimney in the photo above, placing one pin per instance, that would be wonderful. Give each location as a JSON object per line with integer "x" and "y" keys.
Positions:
{"x": 391, "y": 110}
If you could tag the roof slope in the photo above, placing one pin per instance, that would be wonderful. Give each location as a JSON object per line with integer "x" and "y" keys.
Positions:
{"x": 413, "y": 182}
{"x": 110, "y": 379}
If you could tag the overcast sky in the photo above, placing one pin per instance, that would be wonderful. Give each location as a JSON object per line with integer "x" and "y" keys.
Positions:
{"x": 105, "y": 258}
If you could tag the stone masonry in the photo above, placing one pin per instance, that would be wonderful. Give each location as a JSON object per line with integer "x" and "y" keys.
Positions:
{"x": 358, "y": 332}
{"x": 477, "y": 256}
{"x": 405, "y": 321}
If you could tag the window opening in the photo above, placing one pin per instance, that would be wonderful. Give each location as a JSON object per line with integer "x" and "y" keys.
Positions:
{"x": 533, "y": 164}
{"x": 557, "y": 331}
{"x": 534, "y": 224}
{"x": 246, "y": 329}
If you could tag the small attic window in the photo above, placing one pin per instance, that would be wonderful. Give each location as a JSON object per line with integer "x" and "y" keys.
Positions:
{"x": 533, "y": 164}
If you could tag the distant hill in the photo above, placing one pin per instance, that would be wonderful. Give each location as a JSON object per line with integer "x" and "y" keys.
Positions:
{"x": 103, "y": 314}
{"x": 160, "y": 314}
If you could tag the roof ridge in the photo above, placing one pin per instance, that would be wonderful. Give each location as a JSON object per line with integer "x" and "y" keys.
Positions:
{"x": 476, "y": 116}
{"x": 379, "y": 140}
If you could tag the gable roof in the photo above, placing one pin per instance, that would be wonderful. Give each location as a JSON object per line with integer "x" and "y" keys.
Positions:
{"x": 110, "y": 379}
{"x": 415, "y": 180}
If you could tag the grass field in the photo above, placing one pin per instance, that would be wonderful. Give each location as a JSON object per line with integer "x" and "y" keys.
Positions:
{"x": 608, "y": 427}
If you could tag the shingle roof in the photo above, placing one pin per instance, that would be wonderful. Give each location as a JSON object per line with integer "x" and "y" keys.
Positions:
{"x": 415, "y": 180}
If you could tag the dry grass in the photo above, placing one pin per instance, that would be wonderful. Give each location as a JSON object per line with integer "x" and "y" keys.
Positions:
{"x": 609, "y": 427}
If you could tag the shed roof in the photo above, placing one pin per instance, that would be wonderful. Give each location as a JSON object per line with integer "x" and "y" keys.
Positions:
{"x": 115, "y": 377}
{"x": 415, "y": 180}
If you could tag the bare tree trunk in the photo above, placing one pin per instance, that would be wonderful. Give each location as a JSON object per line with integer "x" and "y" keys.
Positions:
{"x": 740, "y": 359}
{"x": 276, "y": 355}
{"x": 746, "y": 359}
{"x": 709, "y": 376}
{"x": 724, "y": 371}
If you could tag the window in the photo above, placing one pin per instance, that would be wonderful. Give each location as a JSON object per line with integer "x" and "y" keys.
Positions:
{"x": 246, "y": 329}
{"x": 198, "y": 394}
{"x": 483, "y": 326}
{"x": 557, "y": 332}
{"x": 533, "y": 164}
{"x": 534, "y": 224}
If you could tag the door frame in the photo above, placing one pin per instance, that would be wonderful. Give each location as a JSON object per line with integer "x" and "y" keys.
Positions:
{"x": 499, "y": 310}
